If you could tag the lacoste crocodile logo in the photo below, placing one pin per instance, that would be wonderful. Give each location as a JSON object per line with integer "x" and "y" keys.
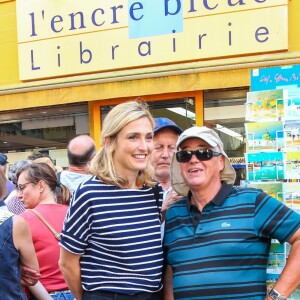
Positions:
{"x": 226, "y": 225}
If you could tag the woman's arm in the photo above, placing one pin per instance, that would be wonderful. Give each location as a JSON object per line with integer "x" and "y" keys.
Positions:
{"x": 39, "y": 292}
{"x": 70, "y": 268}
{"x": 23, "y": 243}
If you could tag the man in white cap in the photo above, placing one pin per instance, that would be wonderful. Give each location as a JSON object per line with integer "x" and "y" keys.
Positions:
{"x": 217, "y": 237}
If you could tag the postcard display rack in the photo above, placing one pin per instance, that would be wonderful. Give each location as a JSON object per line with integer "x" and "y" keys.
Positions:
{"x": 273, "y": 146}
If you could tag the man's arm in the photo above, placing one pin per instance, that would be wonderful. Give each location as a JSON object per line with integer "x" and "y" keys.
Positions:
{"x": 70, "y": 268}
{"x": 290, "y": 276}
{"x": 168, "y": 283}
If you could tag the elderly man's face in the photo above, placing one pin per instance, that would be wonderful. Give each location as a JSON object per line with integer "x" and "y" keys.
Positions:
{"x": 200, "y": 174}
{"x": 164, "y": 148}
{"x": 3, "y": 167}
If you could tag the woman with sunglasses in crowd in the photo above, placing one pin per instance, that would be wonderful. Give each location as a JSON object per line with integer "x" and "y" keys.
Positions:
{"x": 15, "y": 247}
{"x": 111, "y": 241}
{"x": 39, "y": 189}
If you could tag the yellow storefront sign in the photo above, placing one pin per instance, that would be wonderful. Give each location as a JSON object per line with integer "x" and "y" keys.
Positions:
{"x": 74, "y": 36}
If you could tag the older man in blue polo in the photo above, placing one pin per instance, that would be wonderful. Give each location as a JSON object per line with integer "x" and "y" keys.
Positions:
{"x": 217, "y": 237}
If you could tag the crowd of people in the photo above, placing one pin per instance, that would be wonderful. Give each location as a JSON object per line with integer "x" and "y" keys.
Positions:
{"x": 152, "y": 215}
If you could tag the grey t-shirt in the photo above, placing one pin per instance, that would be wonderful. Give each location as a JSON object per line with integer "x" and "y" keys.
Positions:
{"x": 72, "y": 179}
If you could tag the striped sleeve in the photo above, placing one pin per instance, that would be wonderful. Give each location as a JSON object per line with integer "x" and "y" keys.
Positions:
{"x": 76, "y": 230}
{"x": 275, "y": 220}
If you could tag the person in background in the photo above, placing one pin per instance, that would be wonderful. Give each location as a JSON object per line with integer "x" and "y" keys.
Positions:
{"x": 111, "y": 241}
{"x": 81, "y": 150}
{"x": 3, "y": 165}
{"x": 12, "y": 201}
{"x": 217, "y": 238}
{"x": 16, "y": 248}
{"x": 46, "y": 159}
{"x": 39, "y": 189}
{"x": 166, "y": 133}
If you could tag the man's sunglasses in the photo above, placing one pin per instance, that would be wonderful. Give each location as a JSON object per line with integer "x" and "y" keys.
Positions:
{"x": 201, "y": 154}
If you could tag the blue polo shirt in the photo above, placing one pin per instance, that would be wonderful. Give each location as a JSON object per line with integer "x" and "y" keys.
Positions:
{"x": 222, "y": 252}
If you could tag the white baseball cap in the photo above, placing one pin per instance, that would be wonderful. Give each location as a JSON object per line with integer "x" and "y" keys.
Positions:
{"x": 212, "y": 138}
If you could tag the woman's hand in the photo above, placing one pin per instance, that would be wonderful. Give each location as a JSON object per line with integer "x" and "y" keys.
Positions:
{"x": 29, "y": 277}
{"x": 170, "y": 198}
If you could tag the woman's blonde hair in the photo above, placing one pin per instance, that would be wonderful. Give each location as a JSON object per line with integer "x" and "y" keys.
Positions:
{"x": 102, "y": 164}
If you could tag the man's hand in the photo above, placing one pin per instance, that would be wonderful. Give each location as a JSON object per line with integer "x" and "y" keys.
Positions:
{"x": 29, "y": 277}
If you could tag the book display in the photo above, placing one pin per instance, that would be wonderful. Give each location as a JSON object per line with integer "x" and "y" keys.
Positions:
{"x": 273, "y": 146}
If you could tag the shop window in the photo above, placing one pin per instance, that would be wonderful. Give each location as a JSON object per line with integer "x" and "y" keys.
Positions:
{"x": 224, "y": 111}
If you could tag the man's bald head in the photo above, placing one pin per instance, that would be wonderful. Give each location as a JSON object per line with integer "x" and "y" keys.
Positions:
{"x": 81, "y": 150}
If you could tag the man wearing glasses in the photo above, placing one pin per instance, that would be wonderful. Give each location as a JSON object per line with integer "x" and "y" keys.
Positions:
{"x": 217, "y": 238}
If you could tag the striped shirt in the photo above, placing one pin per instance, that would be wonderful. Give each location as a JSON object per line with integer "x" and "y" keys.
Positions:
{"x": 222, "y": 252}
{"x": 117, "y": 233}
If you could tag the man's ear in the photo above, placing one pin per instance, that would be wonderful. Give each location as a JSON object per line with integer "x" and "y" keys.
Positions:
{"x": 222, "y": 162}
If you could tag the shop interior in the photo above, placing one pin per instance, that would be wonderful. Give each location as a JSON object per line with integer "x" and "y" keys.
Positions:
{"x": 48, "y": 129}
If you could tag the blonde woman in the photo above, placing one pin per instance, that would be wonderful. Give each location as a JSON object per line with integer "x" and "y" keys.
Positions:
{"x": 111, "y": 242}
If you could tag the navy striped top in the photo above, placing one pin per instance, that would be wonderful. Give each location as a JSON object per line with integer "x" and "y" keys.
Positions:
{"x": 222, "y": 252}
{"x": 117, "y": 233}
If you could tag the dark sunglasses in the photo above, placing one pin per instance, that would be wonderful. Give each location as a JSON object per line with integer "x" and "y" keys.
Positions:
{"x": 201, "y": 154}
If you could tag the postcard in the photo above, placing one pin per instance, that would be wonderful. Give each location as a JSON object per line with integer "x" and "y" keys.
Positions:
{"x": 277, "y": 257}
{"x": 264, "y": 166}
{"x": 274, "y": 189}
{"x": 265, "y": 105}
{"x": 292, "y": 104}
{"x": 292, "y": 165}
{"x": 292, "y": 135}
{"x": 296, "y": 294}
{"x": 264, "y": 136}
{"x": 291, "y": 195}
{"x": 272, "y": 277}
